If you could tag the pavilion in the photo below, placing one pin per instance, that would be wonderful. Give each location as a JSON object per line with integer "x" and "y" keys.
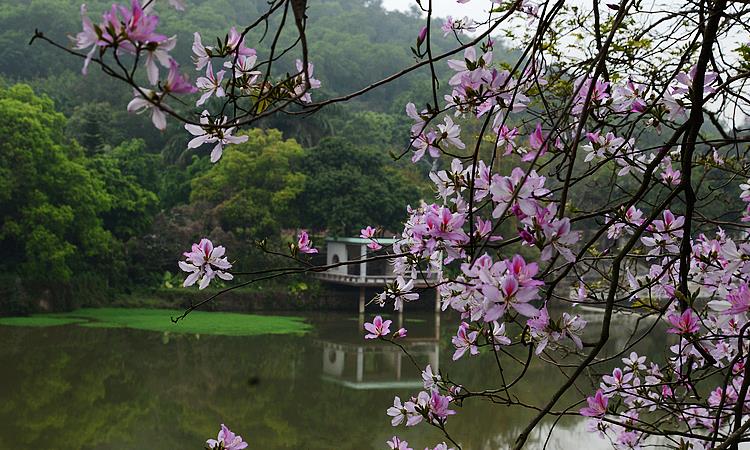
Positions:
{"x": 365, "y": 274}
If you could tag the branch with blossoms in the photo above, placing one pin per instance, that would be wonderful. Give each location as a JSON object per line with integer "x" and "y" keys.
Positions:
{"x": 604, "y": 164}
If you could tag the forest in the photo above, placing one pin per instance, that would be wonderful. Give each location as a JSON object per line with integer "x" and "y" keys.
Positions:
{"x": 93, "y": 198}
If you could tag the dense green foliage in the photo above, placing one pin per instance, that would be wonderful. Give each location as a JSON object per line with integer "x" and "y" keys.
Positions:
{"x": 52, "y": 204}
{"x": 90, "y": 192}
{"x": 341, "y": 175}
{"x": 252, "y": 190}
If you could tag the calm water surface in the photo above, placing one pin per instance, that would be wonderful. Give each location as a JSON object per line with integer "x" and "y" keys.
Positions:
{"x": 71, "y": 387}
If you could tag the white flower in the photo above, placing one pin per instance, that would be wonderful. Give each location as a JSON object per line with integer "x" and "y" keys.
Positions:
{"x": 209, "y": 132}
{"x": 140, "y": 104}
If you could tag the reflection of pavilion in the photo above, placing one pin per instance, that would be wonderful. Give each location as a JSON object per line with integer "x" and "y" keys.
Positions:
{"x": 380, "y": 365}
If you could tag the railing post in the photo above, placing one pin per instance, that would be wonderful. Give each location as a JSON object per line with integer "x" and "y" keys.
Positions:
{"x": 360, "y": 364}
{"x": 363, "y": 265}
{"x": 361, "y": 300}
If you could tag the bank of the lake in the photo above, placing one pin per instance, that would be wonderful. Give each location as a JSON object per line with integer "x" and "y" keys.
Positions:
{"x": 305, "y": 294}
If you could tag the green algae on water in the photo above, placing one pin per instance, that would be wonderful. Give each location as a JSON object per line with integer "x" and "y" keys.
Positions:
{"x": 197, "y": 322}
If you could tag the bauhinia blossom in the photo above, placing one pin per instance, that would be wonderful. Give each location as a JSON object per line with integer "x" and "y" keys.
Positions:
{"x": 465, "y": 340}
{"x": 377, "y": 328}
{"x": 685, "y": 323}
{"x": 302, "y": 89}
{"x": 369, "y": 233}
{"x": 397, "y": 444}
{"x": 210, "y": 85}
{"x": 304, "y": 244}
{"x": 226, "y": 440}
{"x": 145, "y": 100}
{"x": 204, "y": 262}
{"x": 597, "y": 405}
{"x": 210, "y": 131}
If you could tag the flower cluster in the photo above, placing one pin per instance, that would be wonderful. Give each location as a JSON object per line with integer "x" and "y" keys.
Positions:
{"x": 428, "y": 405}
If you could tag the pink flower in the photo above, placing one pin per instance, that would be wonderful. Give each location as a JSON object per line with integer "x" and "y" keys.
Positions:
{"x": 301, "y": 90}
{"x": 597, "y": 405}
{"x": 447, "y": 26}
{"x": 422, "y": 35}
{"x": 740, "y": 300}
{"x": 397, "y": 444}
{"x": 439, "y": 405}
{"x": 204, "y": 262}
{"x": 429, "y": 378}
{"x": 149, "y": 101}
{"x": 685, "y": 323}
{"x": 464, "y": 340}
{"x": 378, "y": 328}
{"x": 685, "y": 81}
{"x": 629, "y": 97}
{"x": 618, "y": 380}
{"x": 440, "y": 446}
{"x": 226, "y": 440}
{"x": 536, "y": 142}
{"x": 598, "y": 93}
{"x": 451, "y": 132}
{"x": 237, "y": 42}
{"x": 201, "y": 58}
{"x": 86, "y": 38}
{"x": 670, "y": 176}
{"x": 483, "y": 230}
{"x": 401, "y": 333}
{"x": 369, "y": 233}
{"x": 397, "y": 412}
{"x": 304, "y": 244}
{"x": 139, "y": 26}
{"x": 211, "y": 84}
{"x": 160, "y": 53}
{"x": 178, "y": 83}
{"x": 506, "y": 137}
{"x": 498, "y": 335}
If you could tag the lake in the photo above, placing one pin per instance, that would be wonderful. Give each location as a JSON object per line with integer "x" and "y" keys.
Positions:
{"x": 83, "y": 387}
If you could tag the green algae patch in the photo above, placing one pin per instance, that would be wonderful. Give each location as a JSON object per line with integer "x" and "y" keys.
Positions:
{"x": 39, "y": 320}
{"x": 197, "y": 322}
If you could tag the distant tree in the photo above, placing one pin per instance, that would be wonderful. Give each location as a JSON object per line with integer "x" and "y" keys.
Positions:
{"x": 50, "y": 202}
{"x": 350, "y": 186}
{"x": 131, "y": 206}
{"x": 90, "y": 125}
{"x": 253, "y": 191}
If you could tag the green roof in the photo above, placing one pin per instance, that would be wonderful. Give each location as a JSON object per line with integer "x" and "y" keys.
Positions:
{"x": 358, "y": 240}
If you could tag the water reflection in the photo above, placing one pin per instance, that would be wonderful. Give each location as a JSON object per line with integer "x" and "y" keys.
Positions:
{"x": 377, "y": 364}
{"x": 82, "y": 388}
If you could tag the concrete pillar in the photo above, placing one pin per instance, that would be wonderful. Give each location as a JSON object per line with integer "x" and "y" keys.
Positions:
{"x": 360, "y": 364}
{"x": 361, "y": 300}
{"x": 401, "y": 315}
{"x": 363, "y": 265}
{"x": 437, "y": 303}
